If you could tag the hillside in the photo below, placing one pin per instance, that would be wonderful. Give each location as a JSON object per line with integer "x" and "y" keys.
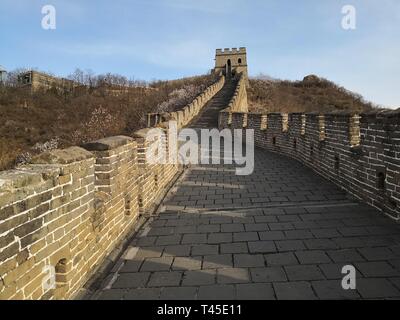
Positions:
{"x": 31, "y": 123}
{"x": 312, "y": 94}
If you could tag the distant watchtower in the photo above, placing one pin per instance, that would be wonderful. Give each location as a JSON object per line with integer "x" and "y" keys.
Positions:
{"x": 3, "y": 75}
{"x": 231, "y": 61}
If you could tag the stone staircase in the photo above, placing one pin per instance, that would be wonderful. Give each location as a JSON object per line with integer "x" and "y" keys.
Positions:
{"x": 208, "y": 118}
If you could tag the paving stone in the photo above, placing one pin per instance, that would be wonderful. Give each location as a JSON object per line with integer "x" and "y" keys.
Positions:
{"x": 131, "y": 280}
{"x": 271, "y": 274}
{"x": 157, "y": 264}
{"x": 214, "y": 238}
{"x": 149, "y": 252}
{"x": 163, "y": 231}
{"x": 168, "y": 240}
{"x": 345, "y": 255}
{"x": 220, "y": 220}
{"x": 289, "y": 218}
{"x": 185, "y": 229}
{"x": 395, "y": 263}
{"x": 294, "y": 210}
{"x": 248, "y": 260}
{"x": 377, "y": 269}
{"x": 281, "y": 226}
{"x": 131, "y": 266}
{"x": 348, "y": 243}
{"x": 233, "y": 275}
{"x": 298, "y": 234}
{"x": 273, "y": 211}
{"x": 353, "y": 231}
{"x": 245, "y": 236}
{"x": 204, "y": 249}
{"x": 377, "y": 289}
{"x": 304, "y": 272}
{"x": 265, "y": 219}
{"x": 333, "y": 290}
{"x": 290, "y": 245}
{"x": 146, "y": 241}
{"x": 232, "y": 227}
{"x": 261, "y": 247}
{"x": 294, "y": 291}
{"x": 333, "y": 271}
{"x": 199, "y": 278}
{"x": 256, "y": 227}
{"x": 396, "y": 282}
{"x": 312, "y": 257}
{"x": 320, "y": 244}
{"x": 143, "y": 294}
{"x": 217, "y": 261}
{"x": 187, "y": 263}
{"x": 376, "y": 254}
{"x": 325, "y": 233}
{"x": 194, "y": 238}
{"x": 217, "y": 292}
{"x": 209, "y": 228}
{"x": 240, "y": 247}
{"x": 112, "y": 294}
{"x": 177, "y": 250}
{"x": 158, "y": 223}
{"x": 179, "y": 293}
{"x": 281, "y": 259}
{"x": 165, "y": 279}
{"x": 305, "y": 225}
{"x": 271, "y": 235}
{"x": 255, "y": 291}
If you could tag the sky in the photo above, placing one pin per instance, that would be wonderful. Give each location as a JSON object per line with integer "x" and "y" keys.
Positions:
{"x": 169, "y": 39}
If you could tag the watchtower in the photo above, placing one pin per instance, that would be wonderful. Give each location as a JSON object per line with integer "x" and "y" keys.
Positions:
{"x": 3, "y": 74}
{"x": 231, "y": 61}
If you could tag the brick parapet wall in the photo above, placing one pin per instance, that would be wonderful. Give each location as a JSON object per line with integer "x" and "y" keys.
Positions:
{"x": 238, "y": 102}
{"x": 70, "y": 208}
{"x": 187, "y": 114}
{"x": 359, "y": 153}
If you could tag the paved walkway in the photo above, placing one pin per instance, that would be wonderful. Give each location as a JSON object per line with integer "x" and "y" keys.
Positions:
{"x": 281, "y": 233}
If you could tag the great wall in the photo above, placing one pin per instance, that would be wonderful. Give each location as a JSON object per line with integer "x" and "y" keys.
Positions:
{"x": 72, "y": 208}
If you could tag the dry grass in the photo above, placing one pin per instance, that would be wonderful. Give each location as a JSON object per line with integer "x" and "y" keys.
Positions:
{"x": 312, "y": 95}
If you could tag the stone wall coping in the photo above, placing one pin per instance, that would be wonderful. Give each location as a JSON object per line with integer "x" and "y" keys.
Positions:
{"x": 142, "y": 133}
{"x": 62, "y": 156}
{"x": 108, "y": 143}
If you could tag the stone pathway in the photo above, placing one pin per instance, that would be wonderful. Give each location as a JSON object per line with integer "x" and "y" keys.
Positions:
{"x": 281, "y": 233}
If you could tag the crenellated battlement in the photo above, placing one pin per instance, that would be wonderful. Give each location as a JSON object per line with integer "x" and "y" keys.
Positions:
{"x": 229, "y": 51}
{"x": 358, "y": 152}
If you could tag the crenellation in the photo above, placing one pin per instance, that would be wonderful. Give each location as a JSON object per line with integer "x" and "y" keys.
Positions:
{"x": 360, "y": 153}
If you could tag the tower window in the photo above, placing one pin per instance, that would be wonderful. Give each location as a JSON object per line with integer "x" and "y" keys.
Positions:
{"x": 240, "y": 60}
{"x": 381, "y": 181}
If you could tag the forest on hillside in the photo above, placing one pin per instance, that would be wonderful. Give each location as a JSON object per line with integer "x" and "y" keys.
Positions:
{"x": 105, "y": 105}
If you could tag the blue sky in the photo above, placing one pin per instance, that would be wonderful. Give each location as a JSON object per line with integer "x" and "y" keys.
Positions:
{"x": 167, "y": 39}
